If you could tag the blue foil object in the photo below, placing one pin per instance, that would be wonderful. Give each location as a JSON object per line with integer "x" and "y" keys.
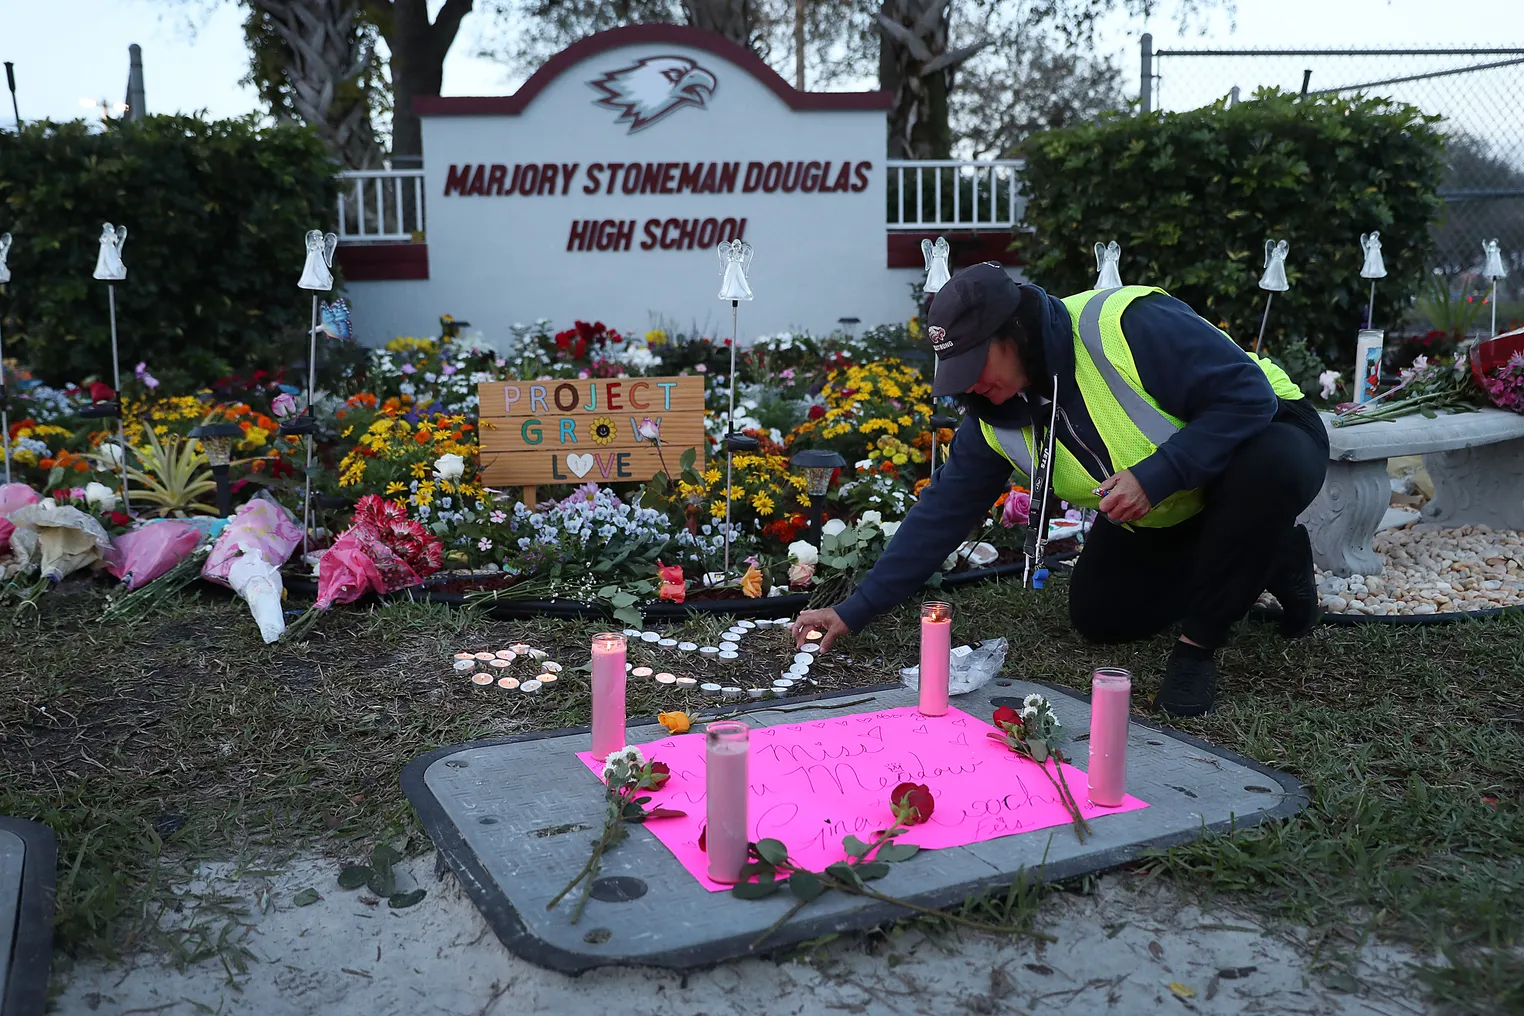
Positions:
{"x": 1039, "y": 577}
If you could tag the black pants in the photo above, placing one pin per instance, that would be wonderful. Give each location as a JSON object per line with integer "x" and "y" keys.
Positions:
{"x": 1206, "y": 572}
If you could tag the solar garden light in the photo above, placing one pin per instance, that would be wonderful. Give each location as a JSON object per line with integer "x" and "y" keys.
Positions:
{"x": 217, "y": 441}
{"x": 818, "y": 465}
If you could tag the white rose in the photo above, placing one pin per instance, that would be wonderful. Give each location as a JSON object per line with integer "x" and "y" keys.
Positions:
{"x": 112, "y": 453}
{"x": 449, "y": 467}
{"x": 876, "y": 518}
{"x": 833, "y": 527}
{"x": 803, "y": 552}
{"x": 889, "y": 528}
{"x": 100, "y": 497}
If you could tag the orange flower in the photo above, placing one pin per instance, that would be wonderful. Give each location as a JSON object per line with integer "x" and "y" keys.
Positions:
{"x": 672, "y": 585}
{"x": 920, "y": 485}
{"x": 676, "y": 722}
{"x": 751, "y": 582}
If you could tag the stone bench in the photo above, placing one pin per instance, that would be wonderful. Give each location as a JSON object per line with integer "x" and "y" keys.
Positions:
{"x": 1476, "y": 461}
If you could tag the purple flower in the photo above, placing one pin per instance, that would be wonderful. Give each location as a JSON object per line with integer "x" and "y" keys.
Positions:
{"x": 149, "y": 381}
{"x": 283, "y": 406}
{"x": 408, "y": 368}
{"x": 447, "y": 369}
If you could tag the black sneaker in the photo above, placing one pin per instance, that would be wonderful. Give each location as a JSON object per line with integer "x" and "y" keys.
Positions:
{"x": 1190, "y": 681}
{"x": 1295, "y": 587}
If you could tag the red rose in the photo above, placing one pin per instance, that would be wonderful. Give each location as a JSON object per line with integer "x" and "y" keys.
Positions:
{"x": 100, "y": 392}
{"x": 660, "y": 772}
{"x": 118, "y": 518}
{"x": 816, "y": 412}
{"x": 1004, "y": 715}
{"x": 912, "y": 803}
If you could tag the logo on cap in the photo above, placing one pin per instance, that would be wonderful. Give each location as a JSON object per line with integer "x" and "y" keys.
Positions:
{"x": 938, "y": 336}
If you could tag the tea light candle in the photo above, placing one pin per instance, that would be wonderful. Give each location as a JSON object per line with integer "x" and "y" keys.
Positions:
{"x": 804, "y": 658}
{"x": 465, "y": 656}
{"x": 799, "y": 669}
{"x": 709, "y": 688}
{"x": 709, "y": 651}
{"x": 608, "y": 693}
{"x": 666, "y": 643}
{"x": 756, "y": 692}
{"x": 546, "y": 678}
{"x": 936, "y": 656}
{"x": 814, "y": 635}
{"x": 666, "y": 679}
{"x": 732, "y": 693}
{"x": 642, "y": 672}
{"x": 486, "y": 656}
{"x": 499, "y": 664}
{"x": 465, "y": 665}
{"x": 729, "y": 656}
{"x": 551, "y": 667}
{"x": 1110, "y": 696}
{"x": 730, "y": 636}
{"x": 533, "y": 686}
{"x": 687, "y": 647}
{"x": 505, "y": 654}
{"x": 746, "y": 624}
{"x": 782, "y": 684}
{"x": 809, "y": 648}
{"x": 632, "y": 633}
{"x": 508, "y": 682}
{"x": 687, "y": 682}
{"x": 522, "y": 648}
{"x": 726, "y": 749}
{"x": 481, "y": 677}
{"x": 649, "y": 636}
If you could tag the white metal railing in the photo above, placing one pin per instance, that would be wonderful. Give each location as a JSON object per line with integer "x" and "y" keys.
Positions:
{"x": 380, "y": 205}
{"x": 377, "y": 205}
{"x": 954, "y": 194}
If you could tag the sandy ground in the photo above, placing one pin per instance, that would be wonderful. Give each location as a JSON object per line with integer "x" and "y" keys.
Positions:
{"x": 1118, "y": 951}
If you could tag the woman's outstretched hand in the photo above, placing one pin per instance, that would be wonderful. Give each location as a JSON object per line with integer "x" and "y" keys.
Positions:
{"x": 826, "y": 620}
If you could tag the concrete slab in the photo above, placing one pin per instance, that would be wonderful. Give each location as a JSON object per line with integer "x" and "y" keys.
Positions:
{"x": 28, "y": 859}
{"x": 513, "y": 819}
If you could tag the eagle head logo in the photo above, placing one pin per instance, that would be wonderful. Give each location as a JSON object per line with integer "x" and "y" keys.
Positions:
{"x": 652, "y": 87}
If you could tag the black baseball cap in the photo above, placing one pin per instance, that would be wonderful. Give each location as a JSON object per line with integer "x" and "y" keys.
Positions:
{"x": 964, "y": 316}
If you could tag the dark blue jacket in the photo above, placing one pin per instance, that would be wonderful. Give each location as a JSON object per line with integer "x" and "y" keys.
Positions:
{"x": 1192, "y": 371}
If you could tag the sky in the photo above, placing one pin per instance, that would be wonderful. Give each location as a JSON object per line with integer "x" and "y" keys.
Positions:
{"x": 72, "y": 54}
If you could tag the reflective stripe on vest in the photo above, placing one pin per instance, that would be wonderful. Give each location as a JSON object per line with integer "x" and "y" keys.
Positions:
{"x": 1154, "y": 425}
{"x": 1012, "y": 444}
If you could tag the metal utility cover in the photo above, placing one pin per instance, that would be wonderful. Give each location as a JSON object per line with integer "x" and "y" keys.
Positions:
{"x": 28, "y": 859}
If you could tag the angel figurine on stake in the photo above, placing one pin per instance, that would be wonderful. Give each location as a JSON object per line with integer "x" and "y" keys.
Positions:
{"x": 1272, "y": 281}
{"x": 108, "y": 263}
{"x": 1493, "y": 270}
{"x": 937, "y": 276}
{"x": 1372, "y": 268}
{"x": 317, "y": 276}
{"x": 110, "y": 270}
{"x": 735, "y": 261}
{"x": 5, "y": 418}
{"x": 1106, "y": 258}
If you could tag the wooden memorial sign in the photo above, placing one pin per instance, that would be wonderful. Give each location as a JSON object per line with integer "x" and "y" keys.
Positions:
{"x": 581, "y": 430}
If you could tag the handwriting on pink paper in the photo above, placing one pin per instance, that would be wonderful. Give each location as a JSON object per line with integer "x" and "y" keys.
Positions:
{"x": 813, "y": 783}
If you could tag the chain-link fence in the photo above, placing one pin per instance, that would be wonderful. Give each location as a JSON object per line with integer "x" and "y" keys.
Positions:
{"x": 1478, "y": 92}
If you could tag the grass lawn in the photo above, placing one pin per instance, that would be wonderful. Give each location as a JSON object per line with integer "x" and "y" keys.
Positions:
{"x": 186, "y": 737}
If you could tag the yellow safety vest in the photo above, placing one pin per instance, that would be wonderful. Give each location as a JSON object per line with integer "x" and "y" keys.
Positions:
{"x": 1129, "y": 421}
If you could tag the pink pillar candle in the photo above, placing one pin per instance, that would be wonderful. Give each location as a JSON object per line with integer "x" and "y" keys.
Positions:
{"x": 1110, "y": 696}
{"x": 726, "y": 747}
{"x": 936, "y": 656}
{"x": 608, "y": 694}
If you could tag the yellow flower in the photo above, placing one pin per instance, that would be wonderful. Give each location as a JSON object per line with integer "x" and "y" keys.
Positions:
{"x": 657, "y": 337}
{"x": 603, "y": 430}
{"x": 905, "y": 421}
{"x": 421, "y": 470}
{"x": 423, "y": 495}
{"x": 394, "y": 488}
{"x": 676, "y": 722}
{"x": 717, "y": 509}
{"x": 762, "y": 504}
{"x": 711, "y": 476}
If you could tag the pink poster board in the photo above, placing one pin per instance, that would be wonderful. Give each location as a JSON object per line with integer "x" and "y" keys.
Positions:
{"x": 813, "y": 783}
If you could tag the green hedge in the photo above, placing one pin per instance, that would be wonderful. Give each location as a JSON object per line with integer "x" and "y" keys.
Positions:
{"x": 1193, "y": 196}
{"x": 216, "y": 213}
